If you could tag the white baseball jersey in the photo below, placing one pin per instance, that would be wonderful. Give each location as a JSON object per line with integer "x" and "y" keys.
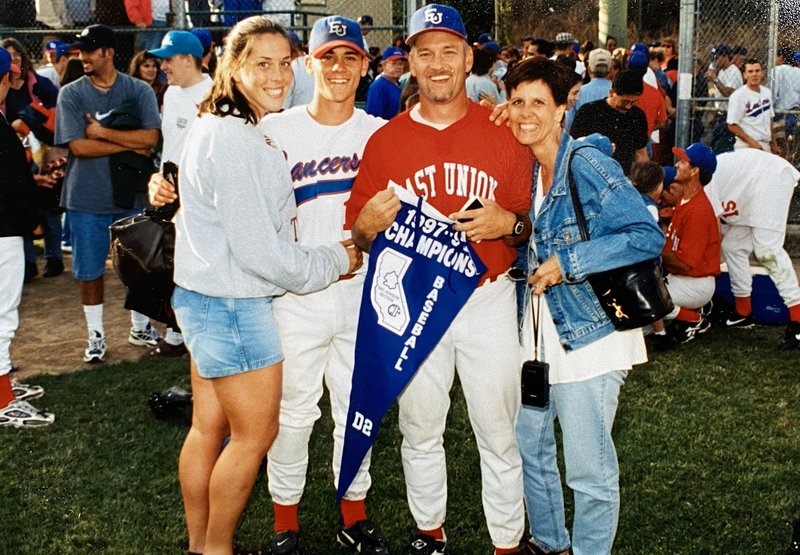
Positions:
{"x": 752, "y": 188}
{"x": 752, "y": 111}
{"x": 323, "y": 161}
{"x": 317, "y": 330}
{"x": 786, "y": 86}
{"x": 179, "y": 113}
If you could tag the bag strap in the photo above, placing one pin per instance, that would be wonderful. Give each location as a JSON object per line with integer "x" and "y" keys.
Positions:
{"x": 168, "y": 211}
{"x": 576, "y": 200}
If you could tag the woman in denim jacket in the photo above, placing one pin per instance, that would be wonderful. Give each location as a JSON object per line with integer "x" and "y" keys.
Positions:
{"x": 588, "y": 359}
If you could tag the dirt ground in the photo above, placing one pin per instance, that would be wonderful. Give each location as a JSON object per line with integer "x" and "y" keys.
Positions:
{"x": 52, "y": 331}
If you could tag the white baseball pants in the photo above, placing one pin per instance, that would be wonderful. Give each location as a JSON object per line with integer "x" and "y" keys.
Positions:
{"x": 482, "y": 345}
{"x": 689, "y": 292}
{"x": 739, "y": 241}
{"x": 12, "y": 270}
{"x": 318, "y": 334}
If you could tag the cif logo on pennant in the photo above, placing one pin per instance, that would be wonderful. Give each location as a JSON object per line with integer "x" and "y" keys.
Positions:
{"x": 434, "y": 16}
{"x": 336, "y": 27}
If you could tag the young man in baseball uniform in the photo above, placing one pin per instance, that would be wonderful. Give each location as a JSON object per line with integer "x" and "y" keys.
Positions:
{"x": 752, "y": 189}
{"x": 318, "y": 330}
{"x": 691, "y": 254}
{"x": 443, "y": 161}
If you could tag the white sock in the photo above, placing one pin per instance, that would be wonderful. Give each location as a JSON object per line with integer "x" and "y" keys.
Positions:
{"x": 139, "y": 321}
{"x": 94, "y": 317}
{"x": 174, "y": 337}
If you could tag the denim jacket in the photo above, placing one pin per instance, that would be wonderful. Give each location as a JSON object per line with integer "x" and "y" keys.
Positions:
{"x": 621, "y": 232}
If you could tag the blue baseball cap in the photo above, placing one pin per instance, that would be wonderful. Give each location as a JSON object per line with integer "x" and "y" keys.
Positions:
{"x": 332, "y": 31}
{"x": 5, "y": 62}
{"x": 393, "y": 53}
{"x": 204, "y": 36}
{"x": 179, "y": 42}
{"x": 436, "y": 17}
{"x": 669, "y": 175}
{"x": 638, "y": 60}
{"x": 483, "y": 38}
{"x": 492, "y": 47}
{"x": 62, "y": 50}
{"x": 295, "y": 38}
{"x": 699, "y": 155}
{"x": 52, "y": 45}
{"x": 721, "y": 50}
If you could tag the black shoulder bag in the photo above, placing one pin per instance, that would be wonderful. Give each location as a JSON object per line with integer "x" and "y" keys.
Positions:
{"x": 143, "y": 254}
{"x": 632, "y": 296}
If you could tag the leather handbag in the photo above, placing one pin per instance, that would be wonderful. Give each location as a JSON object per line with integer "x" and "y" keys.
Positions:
{"x": 143, "y": 251}
{"x": 631, "y": 296}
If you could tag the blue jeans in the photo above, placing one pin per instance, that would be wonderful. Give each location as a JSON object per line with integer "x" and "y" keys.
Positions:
{"x": 52, "y": 237}
{"x": 585, "y": 412}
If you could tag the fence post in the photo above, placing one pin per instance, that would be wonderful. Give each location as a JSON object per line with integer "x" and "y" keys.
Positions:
{"x": 685, "y": 72}
{"x": 180, "y": 15}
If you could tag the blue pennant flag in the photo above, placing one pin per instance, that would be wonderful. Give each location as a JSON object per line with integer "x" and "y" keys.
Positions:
{"x": 421, "y": 273}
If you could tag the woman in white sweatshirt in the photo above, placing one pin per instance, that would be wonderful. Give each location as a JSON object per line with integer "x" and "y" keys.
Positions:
{"x": 235, "y": 250}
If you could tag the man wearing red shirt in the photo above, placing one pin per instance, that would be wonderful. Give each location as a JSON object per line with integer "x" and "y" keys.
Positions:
{"x": 691, "y": 254}
{"x": 448, "y": 151}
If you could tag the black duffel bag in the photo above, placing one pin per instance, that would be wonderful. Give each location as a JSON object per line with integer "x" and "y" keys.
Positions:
{"x": 143, "y": 255}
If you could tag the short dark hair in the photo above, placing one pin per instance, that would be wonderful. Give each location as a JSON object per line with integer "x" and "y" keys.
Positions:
{"x": 482, "y": 60}
{"x": 705, "y": 177}
{"x": 628, "y": 82}
{"x": 567, "y": 60}
{"x": 752, "y": 62}
{"x": 365, "y": 20}
{"x": 545, "y": 47}
{"x": 646, "y": 176}
{"x": 553, "y": 74}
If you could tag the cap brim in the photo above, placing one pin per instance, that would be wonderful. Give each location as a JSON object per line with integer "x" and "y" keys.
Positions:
{"x": 411, "y": 38}
{"x": 681, "y": 153}
{"x": 328, "y": 46}
{"x": 162, "y": 53}
{"x": 86, "y": 46}
{"x": 390, "y": 58}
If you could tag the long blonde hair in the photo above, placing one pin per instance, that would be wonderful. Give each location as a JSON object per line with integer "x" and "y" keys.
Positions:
{"x": 224, "y": 98}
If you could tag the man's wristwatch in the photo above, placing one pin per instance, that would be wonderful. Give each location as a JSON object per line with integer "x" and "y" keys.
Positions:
{"x": 519, "y": 225}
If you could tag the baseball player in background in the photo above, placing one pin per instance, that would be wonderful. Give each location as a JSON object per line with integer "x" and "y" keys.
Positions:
{"x": 752, "y": 190}
{"x": 323, "y": 143}
{"x": 691, "y": 253}
{"x": 447, "y": 150}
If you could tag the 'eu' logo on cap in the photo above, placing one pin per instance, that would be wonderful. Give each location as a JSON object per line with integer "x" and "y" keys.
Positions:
{"x": 432, "y": 15}
{"x": 336, "y": 27}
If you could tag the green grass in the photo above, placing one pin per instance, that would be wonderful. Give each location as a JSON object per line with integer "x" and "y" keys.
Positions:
{"x": 708, "y": 437}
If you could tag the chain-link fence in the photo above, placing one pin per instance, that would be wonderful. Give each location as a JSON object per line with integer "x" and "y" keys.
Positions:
{"x": 742, "y": 29}
{"x": 34, "y": 22}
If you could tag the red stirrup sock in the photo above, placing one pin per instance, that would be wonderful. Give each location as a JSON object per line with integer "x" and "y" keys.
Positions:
{"x": 794, "y": 313}
{"x": 286, "y": 517}
{"x": 6, "y": 394}
{"x": 687, "y": 315}
{"x": 436, "y": 533}
{"x": 742, "y": 305}
{"x": 353, "y": 511}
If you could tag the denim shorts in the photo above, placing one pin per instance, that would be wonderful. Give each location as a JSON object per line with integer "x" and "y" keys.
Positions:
{"x": 227, "y": 336}
{"x": 91, "y": 241}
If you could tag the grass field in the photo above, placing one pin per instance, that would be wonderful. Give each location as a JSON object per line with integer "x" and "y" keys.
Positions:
{"x": 708, "y": 438}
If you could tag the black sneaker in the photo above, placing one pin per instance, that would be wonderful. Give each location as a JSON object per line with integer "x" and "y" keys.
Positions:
{"x": 364, "y": 536}
{"x": 736, "y": 320}
{"x": 663, "y": 342}
{"x": 285, "y": 543}
{"x": 684, "y": 332}
{"x": 423, "y": 544}
{"x": 53, "y": 267}
{"x": 791, "y": 337}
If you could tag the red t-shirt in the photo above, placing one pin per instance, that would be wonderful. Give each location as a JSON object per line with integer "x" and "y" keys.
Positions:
{"x": 693, "y": 236}
{"x": 652, "y": 104}
{"x": 470, "y": 157}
